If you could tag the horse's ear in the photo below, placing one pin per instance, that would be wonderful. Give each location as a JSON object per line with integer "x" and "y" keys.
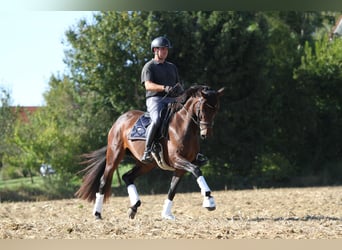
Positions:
{"x": 204, "y": 92}
{"x": 220, "y": 91}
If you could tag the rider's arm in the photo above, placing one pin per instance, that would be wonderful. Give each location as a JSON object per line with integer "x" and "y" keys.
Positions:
{"x": 151, "y": 86}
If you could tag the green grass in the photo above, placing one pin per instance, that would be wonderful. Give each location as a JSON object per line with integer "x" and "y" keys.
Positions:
{"x": 30, "y": 189}
{"x": 51, "y": 187}
{"x": 14, "y": 183}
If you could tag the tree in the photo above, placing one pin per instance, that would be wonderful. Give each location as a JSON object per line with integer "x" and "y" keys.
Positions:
{"x": 105, "y": 59}
{"x": 273, "y": 111}
{"x": 7, "y": 118}
{"x": 252, "y": 54}
{"x": 319, "y": 79}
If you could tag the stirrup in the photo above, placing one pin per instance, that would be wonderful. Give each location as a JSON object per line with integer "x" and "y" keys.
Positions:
{"x": 147, "y": 157}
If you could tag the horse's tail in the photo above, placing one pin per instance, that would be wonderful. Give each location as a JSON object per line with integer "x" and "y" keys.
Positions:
{"x": 96, "y": 162}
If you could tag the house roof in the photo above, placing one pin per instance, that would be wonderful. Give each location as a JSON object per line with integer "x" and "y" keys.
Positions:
{"x": 25, "y": 111}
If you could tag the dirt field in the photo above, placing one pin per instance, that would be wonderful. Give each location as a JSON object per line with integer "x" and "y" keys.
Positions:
{"x": 307, "y": 213}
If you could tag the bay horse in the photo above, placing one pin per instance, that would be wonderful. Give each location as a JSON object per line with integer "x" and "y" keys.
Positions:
{"x": 191, "y": 121}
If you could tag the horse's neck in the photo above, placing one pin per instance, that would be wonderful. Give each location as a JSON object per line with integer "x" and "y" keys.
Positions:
{"x": 185, "y": 117}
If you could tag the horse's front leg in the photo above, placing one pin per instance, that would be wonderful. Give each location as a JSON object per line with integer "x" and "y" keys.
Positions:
{"x": 208, "y": 201}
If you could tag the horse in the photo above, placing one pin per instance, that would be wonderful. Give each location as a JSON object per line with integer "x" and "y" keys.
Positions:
{"x": 191, "y": 120}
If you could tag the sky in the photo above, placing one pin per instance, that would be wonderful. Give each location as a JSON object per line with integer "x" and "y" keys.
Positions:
{"x": 31, "y": 50}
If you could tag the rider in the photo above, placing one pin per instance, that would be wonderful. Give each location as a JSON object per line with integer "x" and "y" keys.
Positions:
{"x": 161, "y": 81}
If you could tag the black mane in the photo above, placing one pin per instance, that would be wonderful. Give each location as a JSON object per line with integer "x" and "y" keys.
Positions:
{"x": 196, "y": 90}
{"x": 193, "y": 91}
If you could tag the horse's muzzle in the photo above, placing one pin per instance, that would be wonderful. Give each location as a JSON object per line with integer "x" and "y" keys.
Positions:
{"x": 206, "y": 129}
{"x": 205, "y": 132}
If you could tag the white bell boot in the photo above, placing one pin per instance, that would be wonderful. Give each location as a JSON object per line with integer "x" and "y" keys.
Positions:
{"x": 98, "y": 204}
{"x": 209, "y": 203}
{"x": 166, "y": 213}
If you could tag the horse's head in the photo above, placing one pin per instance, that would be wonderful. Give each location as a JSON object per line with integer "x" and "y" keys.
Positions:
{"x": 206, "y": 109}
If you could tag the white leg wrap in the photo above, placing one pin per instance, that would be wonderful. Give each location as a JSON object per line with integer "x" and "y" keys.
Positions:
{"x": 166, "y": 213}
{"x": 203, "y": 185}
{"x": 98, "y": 203}
{"x": 133, "y": 194}
{"x": 209, "y": 203}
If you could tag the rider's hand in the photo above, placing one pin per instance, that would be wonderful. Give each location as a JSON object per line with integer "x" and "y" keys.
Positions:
{"x": 174, "y": 91}
{"x": 177, "y": 90}
{"x": 168, "y": 89}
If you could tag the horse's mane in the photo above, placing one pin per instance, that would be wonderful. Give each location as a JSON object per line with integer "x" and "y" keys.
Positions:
{"x": 193, "y": 91}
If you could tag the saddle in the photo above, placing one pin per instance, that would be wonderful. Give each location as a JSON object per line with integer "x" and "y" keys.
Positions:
{"x": 138, "y": 132}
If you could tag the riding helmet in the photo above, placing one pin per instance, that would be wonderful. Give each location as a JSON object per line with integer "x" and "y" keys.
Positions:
{"x": 160, "y": 42}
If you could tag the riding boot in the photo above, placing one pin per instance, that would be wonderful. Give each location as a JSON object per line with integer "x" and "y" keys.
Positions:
{"x": 150, "y": 133}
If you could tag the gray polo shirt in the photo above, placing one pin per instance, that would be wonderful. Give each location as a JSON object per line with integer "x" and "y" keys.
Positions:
{"x": 161, "y": 73}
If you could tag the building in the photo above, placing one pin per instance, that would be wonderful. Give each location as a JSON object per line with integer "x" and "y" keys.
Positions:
{"x": 25, "y": 111}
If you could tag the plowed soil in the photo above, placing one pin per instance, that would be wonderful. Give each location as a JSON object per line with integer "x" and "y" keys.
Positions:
{"x": 305, "y": 213}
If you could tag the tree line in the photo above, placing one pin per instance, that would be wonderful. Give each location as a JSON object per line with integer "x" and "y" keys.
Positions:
{"x": 280, "y": 118}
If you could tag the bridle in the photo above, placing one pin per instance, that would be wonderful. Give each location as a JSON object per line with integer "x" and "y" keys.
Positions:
{"x": 197, "y": 118}
{"x": 199, "y": 115}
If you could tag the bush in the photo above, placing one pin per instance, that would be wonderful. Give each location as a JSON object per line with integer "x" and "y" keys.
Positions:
{"x": 10, "y": 172}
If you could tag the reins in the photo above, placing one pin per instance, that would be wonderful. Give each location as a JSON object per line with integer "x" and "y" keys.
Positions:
{"x": 191, "y": 116}
{"x": 197, "y": 108}
{"x": 198, "y": 122}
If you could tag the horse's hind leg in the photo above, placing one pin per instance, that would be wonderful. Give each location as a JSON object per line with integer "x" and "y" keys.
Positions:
{"x": 99, "y": 200}
{"x": 133, "y": 195}
{"x": 166, "y": 212}
{"x": 129, "y": 178}
{"x": 113, "y": 158}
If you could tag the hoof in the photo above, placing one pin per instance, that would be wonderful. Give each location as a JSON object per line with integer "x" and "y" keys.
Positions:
{"x": 209, "y": 203}
{"x": 168, "y": 217}
{"x": 98, "y": 216}
{"x": 131, "y": 212}
{"x": 211, "y": 208}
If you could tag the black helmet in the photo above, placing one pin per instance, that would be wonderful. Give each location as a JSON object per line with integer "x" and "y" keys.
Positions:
{"x": 160, "y": 42}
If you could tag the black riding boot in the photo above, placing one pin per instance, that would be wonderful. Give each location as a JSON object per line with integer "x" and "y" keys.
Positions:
{"x": 150, "y": 133}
